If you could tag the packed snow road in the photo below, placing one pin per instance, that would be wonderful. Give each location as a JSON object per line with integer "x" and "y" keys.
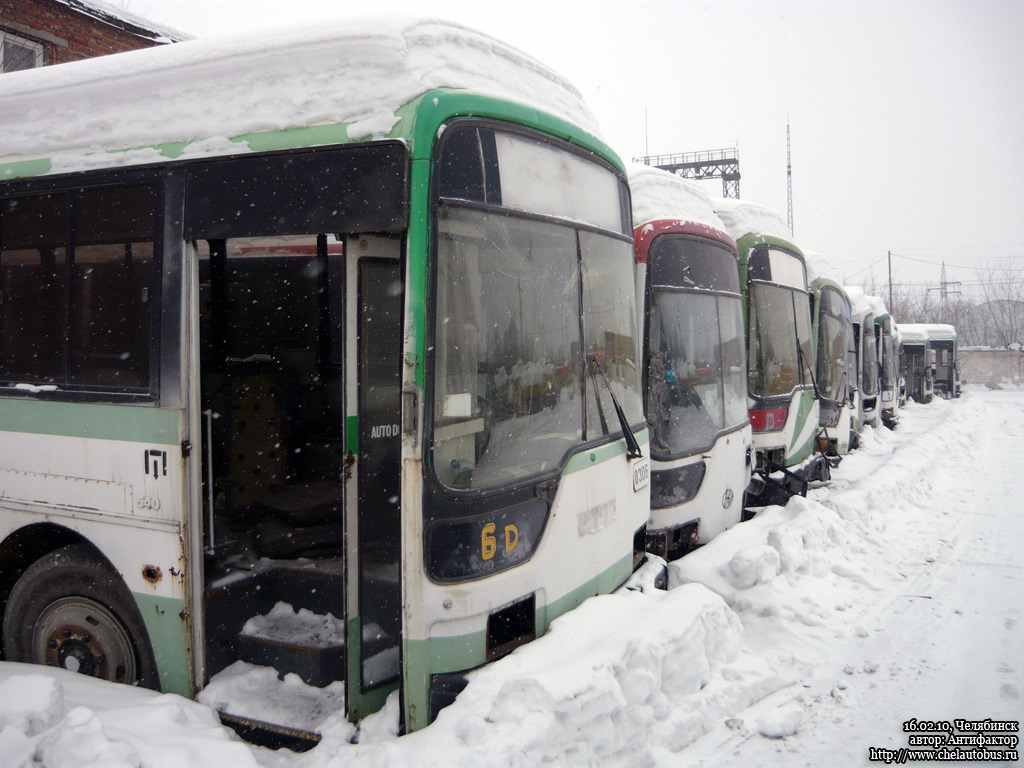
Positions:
{"x": 807, "y": 636}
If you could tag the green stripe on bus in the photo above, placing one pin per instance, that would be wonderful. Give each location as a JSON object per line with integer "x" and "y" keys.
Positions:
{"x": 131, "y": 423}
{"x": 603, "y": 453}
{"x": 165, "y": 623}
{"x": 440, "y": 655}
{"x": 800, "y": 452}
{"x": 352, "y": 434}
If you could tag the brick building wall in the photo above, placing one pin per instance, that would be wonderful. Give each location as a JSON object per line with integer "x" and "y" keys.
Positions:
{"x": 72, "y": 30}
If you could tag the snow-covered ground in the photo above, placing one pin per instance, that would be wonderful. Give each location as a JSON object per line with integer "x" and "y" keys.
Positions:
{"x": 806, "y": 636}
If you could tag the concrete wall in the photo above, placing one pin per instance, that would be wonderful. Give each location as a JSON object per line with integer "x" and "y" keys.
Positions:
{"x": 991, "y": 366}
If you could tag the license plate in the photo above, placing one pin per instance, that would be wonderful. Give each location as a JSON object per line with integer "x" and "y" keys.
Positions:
{"x": 641, "y": 469}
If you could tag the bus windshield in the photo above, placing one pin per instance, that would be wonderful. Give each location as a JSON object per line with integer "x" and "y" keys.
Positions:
{"x": 694, "y": 346}
{"x": 832, "y": 373}
{"x": 773, "y": 360}
{"x": 521, "y": 303}
{"x": 869, "y": 375}
{"x": 779, "y": 317}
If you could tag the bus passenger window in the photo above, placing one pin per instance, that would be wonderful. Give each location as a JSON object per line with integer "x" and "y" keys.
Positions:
{"x": 33, "y": 263}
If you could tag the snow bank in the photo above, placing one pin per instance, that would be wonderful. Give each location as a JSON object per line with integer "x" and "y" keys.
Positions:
{"x": 743, "y": 218}
{"x": 52, "y": 718}
{"x": 356, "y": 73}
{"x": 619, "y": 676}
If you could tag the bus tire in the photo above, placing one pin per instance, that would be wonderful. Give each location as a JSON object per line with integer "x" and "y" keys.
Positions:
{"x": 70, "y": 609}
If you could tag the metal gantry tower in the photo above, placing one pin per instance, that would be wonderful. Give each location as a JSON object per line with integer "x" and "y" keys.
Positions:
{"x": 721, "y": 164}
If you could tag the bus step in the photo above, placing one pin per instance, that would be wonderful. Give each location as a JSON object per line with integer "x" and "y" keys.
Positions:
{"x": 318, "y": 665}
{"x": 269, "y": 735}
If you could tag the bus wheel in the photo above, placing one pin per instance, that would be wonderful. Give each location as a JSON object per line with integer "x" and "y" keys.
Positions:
{"x": 71, "y": 610}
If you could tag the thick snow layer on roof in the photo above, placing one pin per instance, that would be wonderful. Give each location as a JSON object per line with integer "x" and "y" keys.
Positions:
{"x": 743, "y": 218}
{"x": 122, "y": 19}
{"x": 860, "y": 303}
{"x": 878, "y": 306}
{"x": 660, "y": 195}
{"x": 820, "y": 267}
{"x": 355, "y": 73}
{"x": 922, "y": 331}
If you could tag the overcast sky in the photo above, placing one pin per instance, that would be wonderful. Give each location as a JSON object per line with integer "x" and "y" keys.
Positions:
{"x": 907, "y": 118}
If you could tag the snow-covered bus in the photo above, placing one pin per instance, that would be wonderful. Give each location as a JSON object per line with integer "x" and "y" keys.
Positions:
{"x": 888, "y": 363}
{"x": 781, "y": 398}
{"x": 694, "y": 362}
{"x": 835, "y": 378}
{"x": 361, "y": 299}
{"x": 868, "y": 386}
{"x": 946, "y": 364}
{"x": 917, "y": 359}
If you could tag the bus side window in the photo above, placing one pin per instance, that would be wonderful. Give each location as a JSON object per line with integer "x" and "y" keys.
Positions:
{"x": 77, "y": 288}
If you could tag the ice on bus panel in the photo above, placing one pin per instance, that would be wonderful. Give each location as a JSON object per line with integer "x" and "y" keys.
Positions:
{"x": 325, "y": 376}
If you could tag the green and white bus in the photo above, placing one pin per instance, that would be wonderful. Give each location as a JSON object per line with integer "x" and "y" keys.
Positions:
{"x": 783, "y": 403}
{"x": 888, "y": 363}
{"x": 361, "y": 300}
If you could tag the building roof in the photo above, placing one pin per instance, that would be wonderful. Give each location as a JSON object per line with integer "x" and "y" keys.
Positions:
{"x": 129, "y": 22}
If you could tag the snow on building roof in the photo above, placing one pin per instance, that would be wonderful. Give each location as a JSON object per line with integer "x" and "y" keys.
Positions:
{"x": 660, "y": 195}
{"x": 351, "y": 73}
{"x": 122, "y": 19}
{"x": 744, "y": 218}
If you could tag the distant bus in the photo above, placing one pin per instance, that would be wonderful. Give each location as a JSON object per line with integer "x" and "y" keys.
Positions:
{"x": 835, "y": 377}
{"x": 942, "y": 340}
{"x": 888, "y": 364}
{"x": 694, "y": 362}
{"x": 782, "y": 402}
{"x": 361, "y": 300}
{"x": 865, "y": 335}
{"x": 917, "y": 358}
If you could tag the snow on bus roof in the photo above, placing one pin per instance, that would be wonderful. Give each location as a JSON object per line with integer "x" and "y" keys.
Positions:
{"x": 878, "y": 306}
{"x": 860, "y": 302}
{"x": 660, "y": 195}
{"x": 207, "y": 91}
{"x": 924, "y": 331}
{"x": 744, "y": 218}
{"x": 819, "y": 267}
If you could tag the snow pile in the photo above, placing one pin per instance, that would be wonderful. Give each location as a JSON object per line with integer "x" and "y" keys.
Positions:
{"x": 620, "y": 676}
{"x": 52, "y": 718}
{"x": 355, "y": 73}
{"x": 743, "y": 218}
{"x": 660, "y": 195}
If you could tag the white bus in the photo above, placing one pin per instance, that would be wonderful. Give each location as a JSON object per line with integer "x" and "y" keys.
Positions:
{"x": 688, "y": 279}
{"x": 337, "y": 323}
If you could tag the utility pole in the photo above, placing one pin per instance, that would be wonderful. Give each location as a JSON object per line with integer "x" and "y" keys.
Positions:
{"x": 789, "y": 181}
{"x": 890, "y": 282}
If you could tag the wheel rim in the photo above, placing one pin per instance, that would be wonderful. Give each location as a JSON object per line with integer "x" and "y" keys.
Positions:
{"x": 81, "y": 635}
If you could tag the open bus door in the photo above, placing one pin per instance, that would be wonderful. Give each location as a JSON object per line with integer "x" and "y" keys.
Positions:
{"x": 373, "y": 613}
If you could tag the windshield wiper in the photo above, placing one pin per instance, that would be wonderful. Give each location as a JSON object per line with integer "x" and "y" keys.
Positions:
{"x": 632, "y": 446}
